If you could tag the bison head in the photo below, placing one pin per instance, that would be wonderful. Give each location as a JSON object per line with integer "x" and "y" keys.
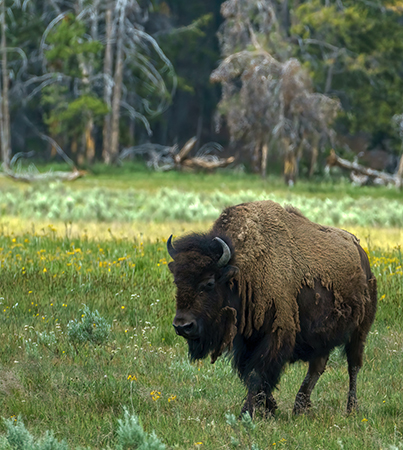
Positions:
{"x": 206, "y": 298}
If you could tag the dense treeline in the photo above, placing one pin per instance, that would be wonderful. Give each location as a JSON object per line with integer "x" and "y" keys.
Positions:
{"x": 82, "y": 80}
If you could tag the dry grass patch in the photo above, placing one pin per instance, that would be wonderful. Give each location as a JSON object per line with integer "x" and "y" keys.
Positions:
{"x": 385, "y": 238}
{"x": 9, "y": 383}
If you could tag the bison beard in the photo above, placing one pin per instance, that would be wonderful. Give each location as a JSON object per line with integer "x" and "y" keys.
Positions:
{"x": 218, "y": 339}
{"x": 271, "y": 287}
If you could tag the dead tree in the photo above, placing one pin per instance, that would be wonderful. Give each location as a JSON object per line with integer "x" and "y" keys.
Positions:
{"x": 4, "y": 107}
{"x": 112, "y": 155}
{"x": 128, "y": 43}
{"x": 108, "y": 82}
{"x": 267, "y": 100}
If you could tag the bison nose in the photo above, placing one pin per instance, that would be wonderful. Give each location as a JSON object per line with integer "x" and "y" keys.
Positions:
{"x": 188, "y": 330}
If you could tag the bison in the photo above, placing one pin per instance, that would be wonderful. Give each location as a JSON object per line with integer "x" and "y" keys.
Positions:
{"x": 268, "y": 286}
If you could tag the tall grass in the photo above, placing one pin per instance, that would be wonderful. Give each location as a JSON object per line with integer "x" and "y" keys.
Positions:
{"x": 58, "y": 202}
{"x": 80, "y": 389}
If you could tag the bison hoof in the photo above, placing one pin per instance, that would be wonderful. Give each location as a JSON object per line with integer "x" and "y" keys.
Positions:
{"x": 302, "y": 404}
{"x": 271, "y": 407}
{"x": 352, "y": 406}
{"x": 249, "y": 408}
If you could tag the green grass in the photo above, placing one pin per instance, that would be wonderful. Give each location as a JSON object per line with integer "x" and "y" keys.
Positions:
{"x": 137, "y": 176}
{"x": 96, "y": 243}
{"x": 80, "y": 390}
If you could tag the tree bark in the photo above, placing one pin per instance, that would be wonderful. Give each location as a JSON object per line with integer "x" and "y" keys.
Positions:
{"x": 257, "y": 157}
{"x": 399, "y": 172}
{"x": 314, "y": 155}
{"x": 117, "y": 90}
{"x": 107, "y": 87}
{"x": 265, "y": 151}
{"x": 290, "y": 163}
{"x": 89, "y": 141}
{"x": 5, "y": 113}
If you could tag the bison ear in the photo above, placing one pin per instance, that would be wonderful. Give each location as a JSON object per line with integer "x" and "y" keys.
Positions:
{"x": 228, "y": 273}
{"x": 171, "y": 266}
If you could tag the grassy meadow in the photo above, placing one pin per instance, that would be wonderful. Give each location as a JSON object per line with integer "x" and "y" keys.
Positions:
{"x": 87, "y": 301}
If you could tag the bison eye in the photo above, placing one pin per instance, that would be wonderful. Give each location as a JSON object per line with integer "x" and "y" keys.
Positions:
{"x": 207, "y": 285}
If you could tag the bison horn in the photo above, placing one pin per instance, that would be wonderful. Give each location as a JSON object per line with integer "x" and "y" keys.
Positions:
{"x": 172, "y": 252}
{"x": 226, "y": 253}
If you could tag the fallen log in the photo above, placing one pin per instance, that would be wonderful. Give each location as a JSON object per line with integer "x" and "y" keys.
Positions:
{"x": 361, "y": 174}
{"x": 202, "y": 163}
{"x": 164, "y": 158}
{"x": 47, "y": 176}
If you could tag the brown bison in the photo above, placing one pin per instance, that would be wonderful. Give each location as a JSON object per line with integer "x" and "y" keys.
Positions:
{"x": 269, "y": 287}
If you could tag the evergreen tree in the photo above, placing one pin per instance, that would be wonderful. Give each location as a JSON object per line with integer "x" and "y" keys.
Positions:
{"x": 354, "y": 50}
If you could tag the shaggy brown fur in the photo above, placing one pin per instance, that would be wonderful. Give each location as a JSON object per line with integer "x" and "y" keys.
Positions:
{"x": 278, "y": 251}
{"x": 288, "y": 290}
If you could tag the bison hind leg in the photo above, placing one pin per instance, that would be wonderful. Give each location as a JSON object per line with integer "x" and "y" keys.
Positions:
{"x": 354, "y": 351}
{"x": 303, "y": 398}
{"x": 355, "y": 347}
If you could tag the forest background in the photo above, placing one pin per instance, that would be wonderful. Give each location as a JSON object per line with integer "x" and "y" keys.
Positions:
{"x": 272, "y": 82}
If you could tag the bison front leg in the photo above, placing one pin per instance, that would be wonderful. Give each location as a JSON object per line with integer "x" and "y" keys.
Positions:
{"x": 256, "y": 400}
{"x": 250, "y": 404}
{"x": 303, "y": 398}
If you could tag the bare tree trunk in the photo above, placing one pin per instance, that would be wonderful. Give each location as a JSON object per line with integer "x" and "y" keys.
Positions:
{"x": 117, "y": 90}
{"x": 290, "y": 163}
{"x": 399, "y": 173}
{"x": 107, "y": 86}
{"x": 286, "y": 21}
{"x": 265, "y": 151}
{"x": 314, "y": 155}
{"x": 89, "y": 141}
{"x": 87, "y": 149}
{"x": 94, "y": 20}
{"x": 199, "y": 129}
{"x": 81, "y": 150}
{"x": 53, "y": 151}
{"x": 74, "y": 149}
{"x": 256, "y": 158}
{"x": 299, "y": 152}
{"x": 5, "y": 114}
{"x": 89, "y": 128}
